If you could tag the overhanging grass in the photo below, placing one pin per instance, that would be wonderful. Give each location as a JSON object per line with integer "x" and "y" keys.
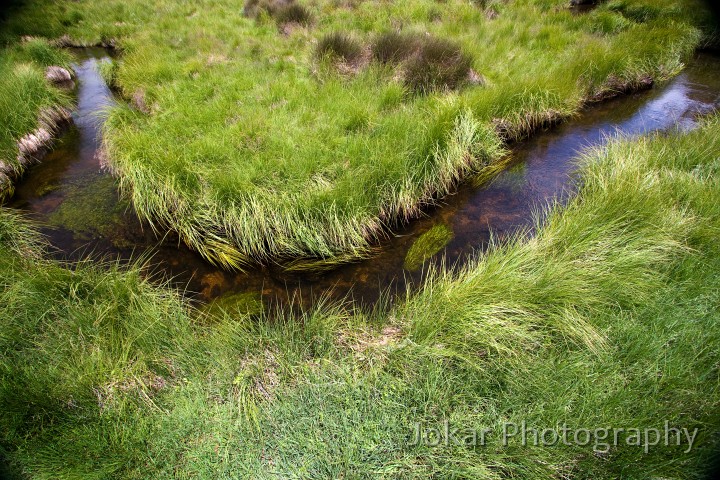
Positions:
{"x": 608, "y": 317}
{"x": 253, "y": 150}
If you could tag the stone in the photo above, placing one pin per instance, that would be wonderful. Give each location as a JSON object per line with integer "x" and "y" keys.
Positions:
{"x": 6, "y": 186}
{"x": 6, "y": 168}
{"x": 58, "y": 75}
{"x": 31, "y": 144}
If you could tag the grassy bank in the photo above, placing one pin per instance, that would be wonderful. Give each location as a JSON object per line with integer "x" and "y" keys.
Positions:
{"x": 260, "y": 139}
{"x": 27, "y": 101}
{"x": 608, "y": 318}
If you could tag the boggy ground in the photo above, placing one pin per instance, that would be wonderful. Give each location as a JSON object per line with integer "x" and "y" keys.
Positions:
{"x": 607, "y": 319}
{"x": 263, "y": 132}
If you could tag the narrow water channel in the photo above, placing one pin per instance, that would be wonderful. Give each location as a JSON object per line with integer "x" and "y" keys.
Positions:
{"x": 81, "y": 213}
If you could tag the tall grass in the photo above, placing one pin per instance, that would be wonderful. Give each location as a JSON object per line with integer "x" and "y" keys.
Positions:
{"x": 255, "y": 152}
{"x": 607, "y": 317}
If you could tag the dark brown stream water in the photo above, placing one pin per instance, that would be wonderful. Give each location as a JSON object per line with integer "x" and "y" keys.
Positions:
{"x": 81, "y": 213}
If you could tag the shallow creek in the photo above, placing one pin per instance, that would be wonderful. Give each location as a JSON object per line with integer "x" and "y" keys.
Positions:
{"x": 77, "y": 203}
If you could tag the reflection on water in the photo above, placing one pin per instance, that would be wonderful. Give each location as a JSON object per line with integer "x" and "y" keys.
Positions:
{"x": 82, "y": 213}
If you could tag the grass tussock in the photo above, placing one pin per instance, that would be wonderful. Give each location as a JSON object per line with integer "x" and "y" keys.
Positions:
{"x": 394, "y": 47}
{"x": 294, "y": 14}
{"x": 254, "y": 8}
{"x": 438, "y": 65}
{"x": 427, "y": 63}
{"x": 606, "y": 318}
{"x": 284, "y": 12}
{"x": 341, "y": 47}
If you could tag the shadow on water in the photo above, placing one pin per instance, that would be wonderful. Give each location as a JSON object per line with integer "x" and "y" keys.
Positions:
{"x": 82, "y": 214}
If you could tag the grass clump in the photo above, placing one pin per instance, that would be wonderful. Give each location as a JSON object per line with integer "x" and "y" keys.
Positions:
{"x": 639, "y": 12}
{"x": 428, "y": 63}
{"x": 439, "y": 65}
{"x": 341, "y": 47}
{"x": 293, "y": 13}
{"x": 284, "y": 12}
{"x": 394, "y": 47}
{"x": 254, "y": 8}
{"x": 427, "y": 245}
{"x": 607, "y": 318}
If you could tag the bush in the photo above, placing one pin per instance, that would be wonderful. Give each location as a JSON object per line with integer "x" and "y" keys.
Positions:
{"x": 439, "y": 64}
{"x": 394, "y": 47}
{"x": 339, "y": 46}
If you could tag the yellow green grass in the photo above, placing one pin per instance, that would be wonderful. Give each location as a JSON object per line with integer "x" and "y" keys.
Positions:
{"x": 607, "y": 318}
{"x": 255, "y": 148}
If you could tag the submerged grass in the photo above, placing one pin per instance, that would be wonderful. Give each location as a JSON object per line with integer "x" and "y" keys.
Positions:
{"x": 427, "y": 245}
{"x": 253, "y": 151}
{"x": 608, "y": 317}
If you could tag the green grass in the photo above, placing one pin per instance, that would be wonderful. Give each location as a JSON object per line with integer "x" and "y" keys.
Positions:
{"x": 255, "y": 149}
{"x": 608, "y": 317}
{"x": 24, "y": 95}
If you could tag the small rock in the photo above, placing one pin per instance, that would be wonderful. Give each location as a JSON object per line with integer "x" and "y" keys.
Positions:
{"x": 6, "y": 168}
{"x": 53, "y": 119}
{"x": 65, "y": 41}
{"x": 6, "y": 186}
{"x": 475, "y": 78}
{"x": 57, "y": 75}
{"x": 138, "y": 101}
{"x": 30, "y": 144}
